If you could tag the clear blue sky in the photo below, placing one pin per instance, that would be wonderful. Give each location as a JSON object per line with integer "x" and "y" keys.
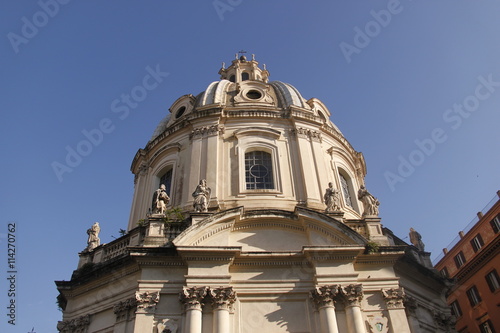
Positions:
{"x": 385, "y": 90}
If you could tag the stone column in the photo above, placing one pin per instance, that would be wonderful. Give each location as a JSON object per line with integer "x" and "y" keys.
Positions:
{"x": 323, "y": 298}
{"x": 396, "y": 310}
{"x": 193, "y": 302}
{"x": 353, "y": 294}
{"x": 222, "y": 300}
{"x": 146, "y": 307}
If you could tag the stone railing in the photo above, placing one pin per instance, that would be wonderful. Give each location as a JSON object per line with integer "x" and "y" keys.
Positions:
{"x": 116, "y": 248}
{"x": 152, "y": 232}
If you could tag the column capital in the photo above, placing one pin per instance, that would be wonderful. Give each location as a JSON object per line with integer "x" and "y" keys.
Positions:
{"x": 410, "y": 304}
{"x": 79, "y": 324}
{"x": 223, "y": 297}
{"x": 192, "y": 297}
{"x": 147, "y": 301}
{"x": 394, "y": 298}
{"x": 324, "y": 296}
{"x": 352, "y": 294}
{"x": 122, "y": 308}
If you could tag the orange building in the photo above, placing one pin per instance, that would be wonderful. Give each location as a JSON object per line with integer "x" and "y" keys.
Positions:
{"x": 472, "y": 262}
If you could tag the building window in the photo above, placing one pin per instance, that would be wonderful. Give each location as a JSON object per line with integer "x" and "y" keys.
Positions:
{"x": 345, "y": 190}
{"x": 493, "y": 280}
{"x": 232, "y": 78}
{"x": 486, "y": 327}
{"x": 473, "y": 296}
{"x": 459, "y": 259}
{"x": 258, "y": 170}
{"x": 495, "y": 224}
{"x": 455, "y": 309}
{"x": 166, "y": 180}
{"x": 245, "y": 76}
{"x": 477, "y": 242}
{"x": 444, "y": 272}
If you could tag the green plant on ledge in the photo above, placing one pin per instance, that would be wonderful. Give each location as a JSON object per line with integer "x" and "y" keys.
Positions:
{"x": 173, "y": 214}
{"x": 371, "y": 247}
{"x": 141, "y": 223}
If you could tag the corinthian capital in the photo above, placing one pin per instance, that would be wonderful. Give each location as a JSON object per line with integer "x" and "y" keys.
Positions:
{"x": 192, "y": 298}
{"x": 223, "y": 297}
{"x": 323, "y": 296}
{"x": 147, "y": 300}
{"x": 394, "y": 297}
{"x": 353, "y": 294}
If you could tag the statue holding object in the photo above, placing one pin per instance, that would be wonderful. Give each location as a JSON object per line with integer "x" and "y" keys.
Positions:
{"x": 201, "y": 197}
{"x": 331, "y": 199}
{"x": 160, "y": 200}
{"x": 370, "y": 203}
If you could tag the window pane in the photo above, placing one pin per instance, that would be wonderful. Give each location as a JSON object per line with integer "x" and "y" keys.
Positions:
{"x": 473, "y": 296}
{"x": 487, "y": 327}
{"x": 166, "y": 180}
{"x": 258, "y": 170}
{"x": 477, "y": 242}
{"x": 493, "y": 280}
{"x": 455, "y": 309}
{"x": 345, "y": 190}
{"x": 495, "y": 223}
{"x": 459, "y": 259}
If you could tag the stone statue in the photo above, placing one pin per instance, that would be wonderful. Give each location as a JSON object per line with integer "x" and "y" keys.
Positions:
{"x": 370, "y": 203}
{"x": 93, "y": 241}
{"x": 331, "y": 199}
{"x": 167, "y": 326}
{"x": 160, "y": 200}
{"x": 201, "y": 197}
{"x": 416, "y": 240}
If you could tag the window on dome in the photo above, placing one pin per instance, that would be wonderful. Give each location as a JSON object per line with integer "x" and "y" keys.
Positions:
{"x": 245, "y": 76}
{"x": 166, "y": 180}
{"x": 346, "y": 190}
{"x": 232, "y": 78}
{"x": 254, "y": 94}
{"x": 258, "y": 170}
{"x": 180, "y": 112}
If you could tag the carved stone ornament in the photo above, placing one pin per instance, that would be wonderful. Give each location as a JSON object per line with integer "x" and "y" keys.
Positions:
{"x": 444, "y": 321}
{"x": 378, "y": 324}
{"x": 147, "y": 300}
{"x": 352, "y": 294}
{"x": 223, "y": 297}
{"x": 201, "y": 132}
{"x": 306, "y": 134}
{"x": 410, "y": 304}
{"x": 78, "y": 325}
{"x": 193, "y": 297}
{"x": 394, "y": 298}
{"x": 324, "y": 296}
{"x": 168, "y": 326}
{"x": 122, "y": 308}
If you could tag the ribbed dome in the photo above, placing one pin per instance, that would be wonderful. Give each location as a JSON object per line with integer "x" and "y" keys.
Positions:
{"x": 221, "y": 93}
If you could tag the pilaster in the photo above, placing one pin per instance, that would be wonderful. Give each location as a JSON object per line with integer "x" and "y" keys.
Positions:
{"x": 396, "y": 311}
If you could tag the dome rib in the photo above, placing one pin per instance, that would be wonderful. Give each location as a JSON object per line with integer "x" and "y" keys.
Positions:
{"x": 288, "y": 94}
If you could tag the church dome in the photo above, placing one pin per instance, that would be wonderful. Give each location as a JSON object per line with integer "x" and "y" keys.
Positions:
{"x": 256, "y": 143}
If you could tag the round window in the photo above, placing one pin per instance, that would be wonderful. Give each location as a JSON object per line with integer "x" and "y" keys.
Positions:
{"x": 254, "y": 94}
{"x": 180, "y": 111}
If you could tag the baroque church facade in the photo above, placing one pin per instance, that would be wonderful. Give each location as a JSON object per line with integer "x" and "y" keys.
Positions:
{"x": 250, "y": 214}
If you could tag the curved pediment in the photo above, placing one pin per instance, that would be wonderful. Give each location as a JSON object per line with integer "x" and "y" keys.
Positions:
{"x": 269, "y": 231}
